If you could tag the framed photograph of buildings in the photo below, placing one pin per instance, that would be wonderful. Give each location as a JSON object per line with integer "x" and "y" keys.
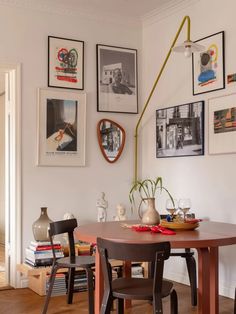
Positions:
{"x": 117, "y": 84}
{"x": 180, "y": 130}
{"x": 209, "y": 66}
{"x": 61, "y": 128}
{"x": 222, "y": 124}
{"x": 65, "y": 63}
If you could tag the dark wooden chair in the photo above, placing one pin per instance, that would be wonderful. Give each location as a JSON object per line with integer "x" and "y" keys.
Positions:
{"x": 152, "y": 289}
{"x": 188, "y": 254}
{"x": 70, "y": 262}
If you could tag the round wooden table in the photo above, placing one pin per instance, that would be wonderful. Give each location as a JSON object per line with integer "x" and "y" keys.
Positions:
{"x": 207, "y": 239}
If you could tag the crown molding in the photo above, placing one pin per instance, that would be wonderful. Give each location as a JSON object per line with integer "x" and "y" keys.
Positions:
{"x": 165, "y": 10}
{"x": 46, "y": 6}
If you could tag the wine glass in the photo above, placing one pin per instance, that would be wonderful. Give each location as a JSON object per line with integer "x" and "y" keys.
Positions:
{"x": 171, "y": 206}
{"x": 184, "y": 206}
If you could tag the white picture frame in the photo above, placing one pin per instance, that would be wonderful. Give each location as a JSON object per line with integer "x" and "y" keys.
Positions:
{"x": 222, "y": 124}
{"x": 61, "y": 128}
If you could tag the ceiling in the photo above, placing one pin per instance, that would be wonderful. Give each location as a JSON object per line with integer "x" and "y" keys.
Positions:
{"x": 124, "y": 8}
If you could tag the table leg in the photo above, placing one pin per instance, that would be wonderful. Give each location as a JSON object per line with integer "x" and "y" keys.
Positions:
{"x": 214, "y": 280}
{"x": 99, "y": 283}
{"x": 208, "y": 299}
{"x": 127, "y": 273}
{"x": 203, "y": 281}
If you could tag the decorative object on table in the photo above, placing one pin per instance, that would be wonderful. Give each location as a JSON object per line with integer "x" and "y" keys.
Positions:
{"x": 111, "y": 139}
{"x": 222, "y": 124}
{"x": 231, "y": 79}
{"x": 120, "y": 213}
{"x": 171, "y": 207}
{"x": 184, "y": 206}
{"x": 68, "y": 216}
{"x": 188, "y": 47}
{"x": 65, "y": 63}
{"x": 41, "y": 226}
{"x": 102, "y": 205}
{"x": 117, "y": 86}
{"x": 209, "y": 65}
{"x": 175, "y": 225}
{"x": 146, "y": 190}
{"x": 61, "y": 128}
{"x": 180, "y": 130}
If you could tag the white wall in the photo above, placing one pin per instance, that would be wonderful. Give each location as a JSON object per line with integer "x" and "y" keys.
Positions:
{"x": 2, "y": 158}
{"x": 65, "y": 189}
{"x": 208, "y": 180}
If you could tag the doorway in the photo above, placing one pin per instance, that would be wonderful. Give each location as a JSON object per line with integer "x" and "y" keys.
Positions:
{"x": 10, "y": 173}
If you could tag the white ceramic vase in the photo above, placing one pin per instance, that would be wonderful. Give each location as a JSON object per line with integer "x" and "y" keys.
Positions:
{"x": 151, "y": 215}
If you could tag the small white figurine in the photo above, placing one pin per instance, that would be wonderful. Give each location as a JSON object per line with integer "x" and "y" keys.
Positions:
{"x": 102, "y": 205}
{"x": 120, "y": 213}
{"x": 68, "y": 216}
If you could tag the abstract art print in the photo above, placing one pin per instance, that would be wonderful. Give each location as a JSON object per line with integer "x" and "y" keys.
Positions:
{"x": 180, "y": 130}
{"x": 222, "y": 124}
{"x": 117, "y": 87}
{"x": 65, "y": 63}
{"x": 208, "y": 66}
{"x": 61, "y": 128}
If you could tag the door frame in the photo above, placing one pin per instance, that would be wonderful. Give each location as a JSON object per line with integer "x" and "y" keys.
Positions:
{"x": 13, "y": 237}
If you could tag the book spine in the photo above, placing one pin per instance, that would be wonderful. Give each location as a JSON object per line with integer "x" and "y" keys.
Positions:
{"x": 45, "y": 247}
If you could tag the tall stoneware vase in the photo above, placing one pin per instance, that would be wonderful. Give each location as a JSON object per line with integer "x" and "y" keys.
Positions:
{"x": 41, "y": 225}
{"x": 151, "y": 215}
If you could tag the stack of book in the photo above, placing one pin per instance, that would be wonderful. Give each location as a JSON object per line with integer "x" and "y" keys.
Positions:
{"x": 59, "y": 287}
{"x": 80, "y": 281}
{"x": 83, "y": 248}
{"x": 40, "y": 253}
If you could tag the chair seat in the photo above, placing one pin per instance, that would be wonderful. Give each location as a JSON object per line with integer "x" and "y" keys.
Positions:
{"x": 76, "y": 261}
{"x": 138, "y": 288}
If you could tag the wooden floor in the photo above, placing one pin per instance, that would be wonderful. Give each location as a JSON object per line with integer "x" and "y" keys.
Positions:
{"x": 25, "y": 301}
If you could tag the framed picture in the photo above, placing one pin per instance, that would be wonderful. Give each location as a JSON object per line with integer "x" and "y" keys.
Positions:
{"x": 180, "y": 130}
{"x": 222, "y": 124}
{"x": 117, "y": 86}
{"x": 65, "y": 63}
{"x": 61, "y": 128}
{"x": 208, "y": 66}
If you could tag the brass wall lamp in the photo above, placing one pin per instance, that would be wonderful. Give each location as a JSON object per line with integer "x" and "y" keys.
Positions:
{"x": 188, "y": 47}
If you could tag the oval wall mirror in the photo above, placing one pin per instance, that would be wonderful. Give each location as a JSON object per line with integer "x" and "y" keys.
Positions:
{"x": 111, "y": 139}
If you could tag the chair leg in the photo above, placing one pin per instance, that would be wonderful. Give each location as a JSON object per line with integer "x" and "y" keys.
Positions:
{"x": 70, "y": 288}
{"x": 157, "y": 304}
{"x": 107, "y": 302}
{"x": 89, "y": 273}
{"x": 173, "y": 302}
{"x": 120, "y": 306}
{"x": 51, "y": 283}
{"x": 191, "y": 266}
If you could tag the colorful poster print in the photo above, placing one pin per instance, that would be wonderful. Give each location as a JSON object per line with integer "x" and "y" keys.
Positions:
{"x": 222, "y": 124}
{"x": 208, "y": 65}
{"x": 65, "y": 63}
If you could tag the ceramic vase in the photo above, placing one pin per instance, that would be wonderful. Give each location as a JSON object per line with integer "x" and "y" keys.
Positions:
{"x": 41, "y": 226}
{"x": 151, "y": 215}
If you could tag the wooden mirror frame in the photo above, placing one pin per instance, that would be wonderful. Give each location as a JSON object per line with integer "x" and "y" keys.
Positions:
{"x": 100, "y": 139}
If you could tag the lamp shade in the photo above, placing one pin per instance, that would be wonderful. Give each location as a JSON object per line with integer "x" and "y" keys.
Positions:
{"x": 188, "y": 47}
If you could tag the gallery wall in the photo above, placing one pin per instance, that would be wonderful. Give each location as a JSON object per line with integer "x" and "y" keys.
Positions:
{"x": 66, "y": 189}
{"x": 209, "y": 180}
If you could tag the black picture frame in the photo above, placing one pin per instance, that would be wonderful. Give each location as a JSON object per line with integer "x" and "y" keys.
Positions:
{"x": 65, "y": 63}
{"x": 208, "y": 67}
{"x": 180, "y": 130}
{"x": 117, "y": 81}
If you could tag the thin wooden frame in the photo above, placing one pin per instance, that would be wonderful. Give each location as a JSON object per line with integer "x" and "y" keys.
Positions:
{"x": 180, "y": 130}
{"x": 222, "y": 124}
{"x": 117, "y": 83}
{"x": 65, "y": 63}
{"x": 208, "y": 67}
{"x": 111, "y": 139}
{"x": 61, "y": 128}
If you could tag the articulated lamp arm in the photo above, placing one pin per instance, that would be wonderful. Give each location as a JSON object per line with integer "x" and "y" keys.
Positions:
{"x": 186, "y": 18}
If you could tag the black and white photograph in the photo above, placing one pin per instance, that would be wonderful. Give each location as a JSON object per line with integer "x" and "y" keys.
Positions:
{"x": 180, "y": 130}
{"x": 117, "y": 79}
{"x": 61, "y": 128}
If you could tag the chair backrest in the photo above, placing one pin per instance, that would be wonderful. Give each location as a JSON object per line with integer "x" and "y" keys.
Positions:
{"x": 147, "y": 252}
{"x": 64, "y": 226}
